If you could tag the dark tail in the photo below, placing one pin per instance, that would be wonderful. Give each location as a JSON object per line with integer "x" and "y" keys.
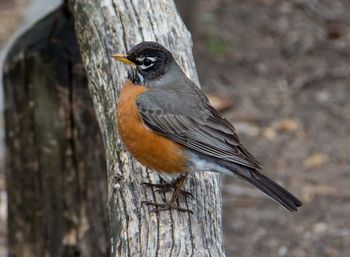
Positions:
{"x": 272, "y": 189}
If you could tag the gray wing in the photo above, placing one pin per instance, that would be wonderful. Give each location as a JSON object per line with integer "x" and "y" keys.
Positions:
{"x": 195, "y": 125}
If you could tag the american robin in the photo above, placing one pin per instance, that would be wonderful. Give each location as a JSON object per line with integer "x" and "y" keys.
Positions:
{"x": 167, "y": 123}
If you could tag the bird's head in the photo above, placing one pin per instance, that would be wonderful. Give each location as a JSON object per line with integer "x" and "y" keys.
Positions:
{"x": 150, "y": 59}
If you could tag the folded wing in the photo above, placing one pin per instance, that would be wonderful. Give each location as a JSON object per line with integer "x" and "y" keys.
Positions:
{"x": 196, "y": 125}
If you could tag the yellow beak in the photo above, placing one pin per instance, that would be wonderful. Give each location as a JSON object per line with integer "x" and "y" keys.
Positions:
{"x": 123, "y": 58}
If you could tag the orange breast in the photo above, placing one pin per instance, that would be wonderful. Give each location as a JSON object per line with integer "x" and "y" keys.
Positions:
{"x": 150, "y": 149}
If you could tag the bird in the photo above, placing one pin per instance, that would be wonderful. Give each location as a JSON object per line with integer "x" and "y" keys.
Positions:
{"x": 168, "y": 125}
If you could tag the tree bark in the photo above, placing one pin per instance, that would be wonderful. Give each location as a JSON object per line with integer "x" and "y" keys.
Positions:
{"x": 107, "y": 27}
{"x": 55, "y": 171}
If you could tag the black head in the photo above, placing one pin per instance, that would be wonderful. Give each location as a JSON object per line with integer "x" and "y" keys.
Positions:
{"x": 151, "y": 60}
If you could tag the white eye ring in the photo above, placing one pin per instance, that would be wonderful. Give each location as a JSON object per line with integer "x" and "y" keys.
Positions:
{"x": 152, "y": 59}
{"x": 140, "y": 59}
{"x": 144, "y": 67}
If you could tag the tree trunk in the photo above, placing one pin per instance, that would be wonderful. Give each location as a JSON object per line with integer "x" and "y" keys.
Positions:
{"x": 107, "y": 27}
{"x": 56, "y": 180}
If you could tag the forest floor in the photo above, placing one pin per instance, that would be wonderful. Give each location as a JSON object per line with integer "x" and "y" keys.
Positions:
{"x": 280, "y": 72}
{"x": 284, "y": 68}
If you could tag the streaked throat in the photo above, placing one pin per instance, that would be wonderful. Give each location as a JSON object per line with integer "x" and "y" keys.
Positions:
{"x": 135, "y": 76}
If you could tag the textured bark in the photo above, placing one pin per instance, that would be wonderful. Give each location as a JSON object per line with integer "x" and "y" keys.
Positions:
{"x": 55, "y": 170}
{"x": 111, "y": 26}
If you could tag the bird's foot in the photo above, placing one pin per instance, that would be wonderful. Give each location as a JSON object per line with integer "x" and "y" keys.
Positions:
{"x": 165, "y": 207}
{"x": 167, "y": 187}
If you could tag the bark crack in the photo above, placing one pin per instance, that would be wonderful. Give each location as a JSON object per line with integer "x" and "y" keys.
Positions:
{"x": 138, "y": 20}
{"x": 157, "y": 214}
{"x": 125, "y": 208}
{"x": 172, "y": 233}
{"x": 122, "y": 24}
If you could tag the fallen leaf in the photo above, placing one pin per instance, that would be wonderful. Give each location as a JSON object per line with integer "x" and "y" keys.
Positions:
{"x": 220, "y": 103}
{"x": 288, "y": 125}
{"x": 247, "y": 128}
{"x": 316, "y": 160}
{"x": 284, "y": 125}
{"x": 310, "y": 191}
{"x": 319, "y": 227}
{"x": 270, "y": 133}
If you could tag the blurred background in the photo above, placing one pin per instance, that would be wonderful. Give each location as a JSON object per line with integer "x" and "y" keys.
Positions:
{"x": 280, "y": 72}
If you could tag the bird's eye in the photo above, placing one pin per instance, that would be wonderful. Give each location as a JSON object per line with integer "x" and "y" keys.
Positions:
{"x": 147, "y": 62}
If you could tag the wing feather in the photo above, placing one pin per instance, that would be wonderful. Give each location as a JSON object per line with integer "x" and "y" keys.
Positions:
{"x": 198, "y": 127}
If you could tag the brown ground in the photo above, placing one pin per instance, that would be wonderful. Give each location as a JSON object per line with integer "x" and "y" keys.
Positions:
{"x": 284, "y": 68}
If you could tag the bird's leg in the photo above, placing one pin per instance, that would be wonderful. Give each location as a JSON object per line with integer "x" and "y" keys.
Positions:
{"x": 166, "y": 186}
{"x": 171, "y": 205}
{"x": 178, "y": 183}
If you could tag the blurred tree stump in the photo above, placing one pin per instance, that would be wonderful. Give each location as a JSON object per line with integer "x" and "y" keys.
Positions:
{"x": 55, "y": 169}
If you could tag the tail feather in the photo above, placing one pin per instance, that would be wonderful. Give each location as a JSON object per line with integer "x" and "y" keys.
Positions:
{"x": 254, "y": 177}
{"x": 273, "y": 190}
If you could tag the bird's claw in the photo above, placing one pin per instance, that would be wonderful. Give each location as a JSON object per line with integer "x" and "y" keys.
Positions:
{"x": 165, "y": 207}
{"x": 167, "y": 187}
